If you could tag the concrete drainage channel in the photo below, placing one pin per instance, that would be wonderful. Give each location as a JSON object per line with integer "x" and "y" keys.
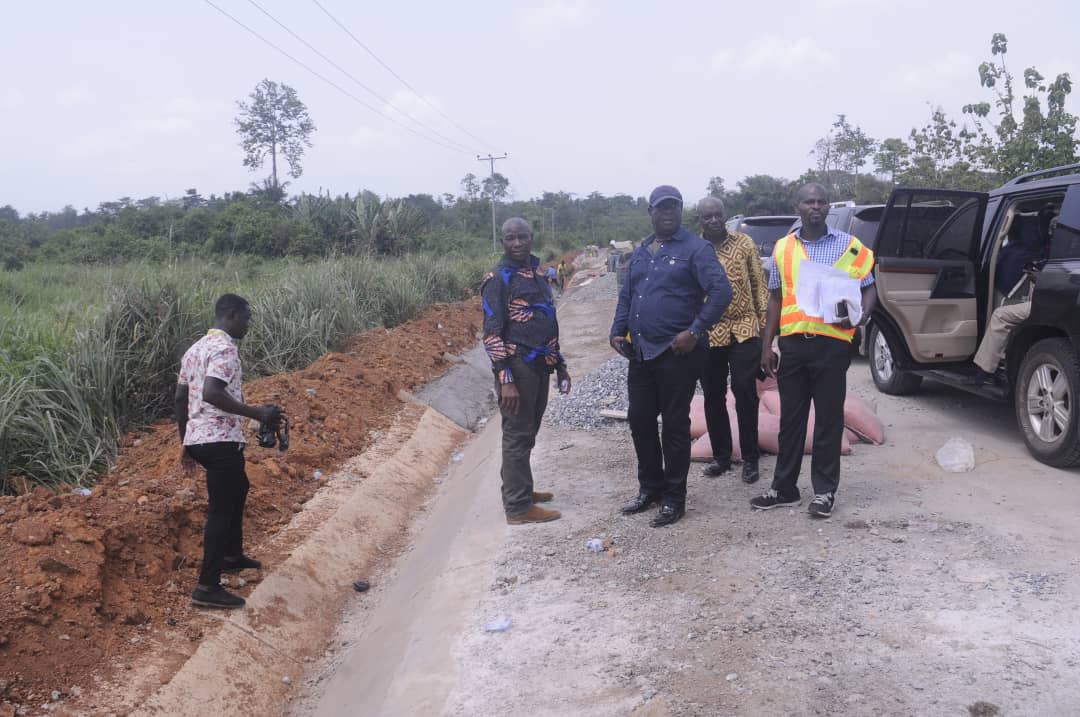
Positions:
{"x": 354, "y": 527}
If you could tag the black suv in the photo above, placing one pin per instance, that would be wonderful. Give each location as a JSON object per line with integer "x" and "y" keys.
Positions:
{"x": 858, "y": 220}
{"x": 765, "y": 231}
{"x": 937, "y": 254}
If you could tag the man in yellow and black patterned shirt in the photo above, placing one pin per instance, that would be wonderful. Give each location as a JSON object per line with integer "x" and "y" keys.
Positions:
{"x": 734, "y": 344}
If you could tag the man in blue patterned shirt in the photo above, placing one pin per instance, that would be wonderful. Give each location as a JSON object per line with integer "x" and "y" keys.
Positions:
{"x": 521, "y": 336}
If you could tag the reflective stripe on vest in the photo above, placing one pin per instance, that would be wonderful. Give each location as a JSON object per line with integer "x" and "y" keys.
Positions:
{"x": 789, "y": 252}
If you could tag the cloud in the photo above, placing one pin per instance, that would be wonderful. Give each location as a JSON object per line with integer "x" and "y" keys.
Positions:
{"x": 13, "y": 97}
{"x": 413, "y": 104}
{"x": 936, "y": 74}
{"x": 554, "y": 15}
{"x": 772, "y": 53}
{"x": 73, "y": 96}
{"x": 90, "y": 145}
{"x": 169, "y": 125}
{"x": 364, "y": 136}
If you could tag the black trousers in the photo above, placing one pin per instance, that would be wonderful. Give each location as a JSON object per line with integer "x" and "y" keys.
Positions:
{"x": 227, "y": 485}
{"x": 663, "y": 387}
{"x": 741, "y": 361}
{"x": 811, "y": 369}
{"x": 519, "y": 435}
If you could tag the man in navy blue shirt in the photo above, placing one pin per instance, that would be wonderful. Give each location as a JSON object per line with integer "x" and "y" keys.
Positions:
{"x": 675, "y": 290}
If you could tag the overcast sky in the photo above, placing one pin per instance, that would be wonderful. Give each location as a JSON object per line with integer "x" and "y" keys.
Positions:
{"x": 137, "y": 97}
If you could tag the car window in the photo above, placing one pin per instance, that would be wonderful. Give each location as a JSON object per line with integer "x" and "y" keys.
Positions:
{"x": 864, "y": 225}
{"x": 954, "y": 239}
{"x": 1066, "y": 241}
{"x": 765, "y": 231}
{"x": 915, "y": 222}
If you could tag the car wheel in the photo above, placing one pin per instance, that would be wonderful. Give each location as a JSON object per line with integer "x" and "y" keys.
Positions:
{"x": 887, "y": 377}
{"x": 1047, "y": 390}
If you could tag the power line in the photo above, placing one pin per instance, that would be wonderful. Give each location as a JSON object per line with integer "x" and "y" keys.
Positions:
{"x": 335, "y": 85}
{"x": 352, "y": 77}
{"x": 399, "y": 78}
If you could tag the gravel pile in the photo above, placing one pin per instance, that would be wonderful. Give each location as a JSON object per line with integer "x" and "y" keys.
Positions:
{"x": 600, "y": 287}
{"x": 603, "y": 388}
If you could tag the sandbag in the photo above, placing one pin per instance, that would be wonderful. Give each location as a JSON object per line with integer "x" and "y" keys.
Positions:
{"x": 698, "y": 427}
{"x": 860, "y": 418}
{"x": 768, "y": 431}
{"x": 770, "y": 402}
{"x": 701, "y": 449}
{"x": 852, "y": 436}
{"x": 766, "y": 384}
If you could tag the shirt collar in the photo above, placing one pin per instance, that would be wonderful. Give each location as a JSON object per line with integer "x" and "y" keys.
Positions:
{"x": 830, "y": 233}
{"x": 221, "y": 334}
{"x": 534, "y": 261}
{"x": 680, "y": 233}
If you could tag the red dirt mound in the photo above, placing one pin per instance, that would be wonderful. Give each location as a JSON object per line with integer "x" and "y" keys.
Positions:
{"x": 91, "y": 582}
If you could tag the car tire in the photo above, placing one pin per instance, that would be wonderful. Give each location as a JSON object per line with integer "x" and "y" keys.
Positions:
{"x": 1047, "y": 391}
{"x": 887, "y": 377}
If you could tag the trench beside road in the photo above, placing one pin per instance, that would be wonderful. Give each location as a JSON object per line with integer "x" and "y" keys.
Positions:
{"x": 926, "y": 593}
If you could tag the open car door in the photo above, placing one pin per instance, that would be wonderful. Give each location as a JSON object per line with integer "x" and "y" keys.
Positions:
{"x": 925, "y": 270}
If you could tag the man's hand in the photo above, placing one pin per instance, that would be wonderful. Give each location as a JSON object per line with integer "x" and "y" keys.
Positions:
{"x": 509, "y": 398}
{"x": 265, "y": 414}
{"x": 564, "y": 380}
{"x": 770, "y": 361}
{"x": 684, "y": 343}
{"x": 187, "y": 463}
{"x": 619, "y": 344}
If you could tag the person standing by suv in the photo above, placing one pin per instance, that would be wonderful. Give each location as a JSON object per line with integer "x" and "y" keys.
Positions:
{"x": 814, "y": 355}
{"x": 674, "y": 291}
{"x": 210, "y": 413}
{"x": 734, "y": 344}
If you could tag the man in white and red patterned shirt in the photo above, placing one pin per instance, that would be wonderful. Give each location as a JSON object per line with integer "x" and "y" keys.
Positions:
{"x": 210, "y": 412}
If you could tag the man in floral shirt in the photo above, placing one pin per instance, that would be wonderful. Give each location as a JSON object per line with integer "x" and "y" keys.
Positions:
{"x": 210, "y": 412}
{"x": 521, "y": 336}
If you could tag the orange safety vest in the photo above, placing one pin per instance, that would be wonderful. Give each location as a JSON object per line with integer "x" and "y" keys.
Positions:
{"x": 788, "y": 253}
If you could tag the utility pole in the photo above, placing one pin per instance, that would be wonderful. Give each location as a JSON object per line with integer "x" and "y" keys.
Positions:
{"x": 494, "y": 233}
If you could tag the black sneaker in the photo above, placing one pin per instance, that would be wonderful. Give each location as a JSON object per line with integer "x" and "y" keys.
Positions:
{"x": 215, "y": 596}
{"x": 821, "y": 505}
{"x": 716, "y": 468}
{"x": 772, "y": 499}
{"x": 235, "y": 565}
{"x": 750, "y": 472}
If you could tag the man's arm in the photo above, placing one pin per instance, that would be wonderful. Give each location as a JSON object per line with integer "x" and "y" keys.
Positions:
{"x": 493, "y": 295}
{"x": 215, "y": 394}
{"x": 769, "y": 359}
{"x": 180, "y": 409}
{"x": 621, "y": 323}
{"x": 711, "y": 277}
{"x": 759, "y": 293}
{"x": 869, "y": 301}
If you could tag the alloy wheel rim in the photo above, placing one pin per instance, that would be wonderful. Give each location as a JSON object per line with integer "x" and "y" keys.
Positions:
{"x": 1049, "y": 402}
{"x": 883, "y": 361}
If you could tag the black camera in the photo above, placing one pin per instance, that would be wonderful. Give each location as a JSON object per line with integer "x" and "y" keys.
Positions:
{"x": 275, "y": 431}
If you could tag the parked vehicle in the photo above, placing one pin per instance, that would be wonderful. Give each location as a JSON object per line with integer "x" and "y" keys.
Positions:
{"x": 765, "y": 230}
{"x": 937, "y": 252}
{"x": 859, "y": 220}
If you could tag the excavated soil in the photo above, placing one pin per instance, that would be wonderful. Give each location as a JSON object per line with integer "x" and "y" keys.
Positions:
{"x": 97, "y": 584}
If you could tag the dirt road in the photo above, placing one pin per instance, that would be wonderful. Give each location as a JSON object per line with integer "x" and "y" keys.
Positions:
{"x": 927, "y": 593}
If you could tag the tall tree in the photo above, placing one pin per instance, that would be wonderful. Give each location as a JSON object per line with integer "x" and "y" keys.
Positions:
{"x": 496, "y": 186}
{"x": 275, "y": 122}
{"x": 1037, "y": 139}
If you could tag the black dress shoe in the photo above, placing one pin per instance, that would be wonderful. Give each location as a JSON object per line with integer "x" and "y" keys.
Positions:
{"x": 750, "y": 472}
{"x": 641, "y": 503}
{"x": 716, "y": 468}
{"x": 668, "y": 514}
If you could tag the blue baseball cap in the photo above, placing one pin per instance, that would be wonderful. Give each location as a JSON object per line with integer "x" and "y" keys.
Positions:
{"x": 664, "y": 191}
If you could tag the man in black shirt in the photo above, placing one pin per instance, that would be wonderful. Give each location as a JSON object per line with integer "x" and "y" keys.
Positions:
{"x": 521, "y": 336}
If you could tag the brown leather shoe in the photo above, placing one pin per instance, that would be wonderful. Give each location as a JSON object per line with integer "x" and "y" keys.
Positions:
{"x": 535, "y": 514}
{"x": 542, "y": 496}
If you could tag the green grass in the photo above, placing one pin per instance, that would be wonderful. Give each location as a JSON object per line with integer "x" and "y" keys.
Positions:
{"x": 87, "y": 352}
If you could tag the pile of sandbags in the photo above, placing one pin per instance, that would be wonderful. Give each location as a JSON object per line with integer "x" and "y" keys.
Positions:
{"x": 860, "y": 424}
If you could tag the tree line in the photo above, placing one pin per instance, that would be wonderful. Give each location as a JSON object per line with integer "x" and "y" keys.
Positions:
{"x": 1023, "y": 126}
